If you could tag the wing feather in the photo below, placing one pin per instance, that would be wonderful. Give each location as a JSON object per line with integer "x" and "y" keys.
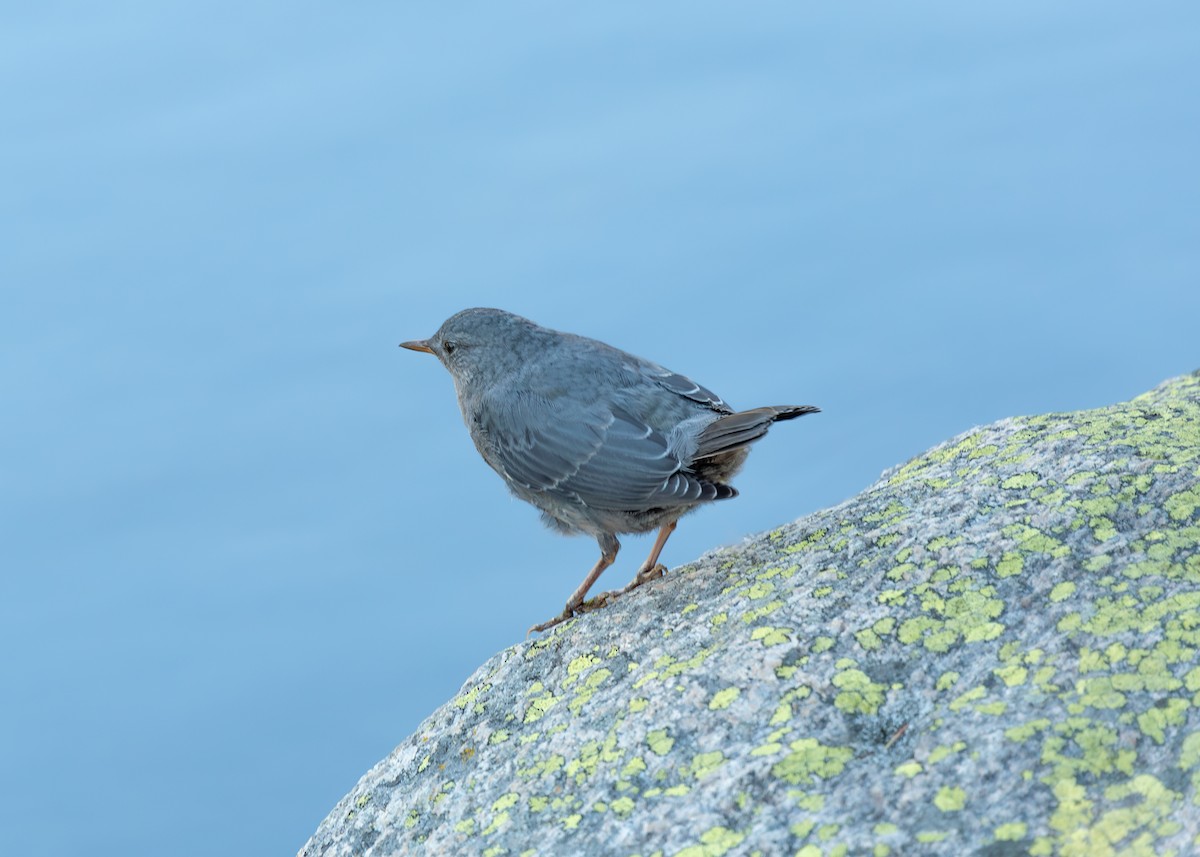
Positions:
{"x": 681, "y": 385}
{"x": 596, "y": 453}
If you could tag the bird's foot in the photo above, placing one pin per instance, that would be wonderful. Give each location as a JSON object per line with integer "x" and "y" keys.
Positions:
{"x": 550, "y": 623}
{"x": 600, "y": 601}
{"x": 606, "y": 598}
{"x": 645, "y": 575}
{"x": 597, "y": 602}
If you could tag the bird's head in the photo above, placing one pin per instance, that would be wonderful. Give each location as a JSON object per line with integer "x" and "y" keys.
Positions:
{"x": 480, "y": 346}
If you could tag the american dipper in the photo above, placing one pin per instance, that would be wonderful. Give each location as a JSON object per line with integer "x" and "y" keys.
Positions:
{"x": 601, "y": 441}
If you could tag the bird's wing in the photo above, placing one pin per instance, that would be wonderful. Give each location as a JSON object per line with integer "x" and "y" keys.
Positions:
{"x": 681, "y": 385}
{"x": 597, "y": 453}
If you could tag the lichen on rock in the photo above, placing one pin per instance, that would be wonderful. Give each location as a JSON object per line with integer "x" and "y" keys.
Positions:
{"x": 994, "y": 649}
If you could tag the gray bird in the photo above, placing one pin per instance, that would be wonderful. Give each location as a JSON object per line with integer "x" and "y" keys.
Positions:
{"x": 601, "y": 441}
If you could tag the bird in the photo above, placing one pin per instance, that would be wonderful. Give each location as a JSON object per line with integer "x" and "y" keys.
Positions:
{"x": 601, "y": 441}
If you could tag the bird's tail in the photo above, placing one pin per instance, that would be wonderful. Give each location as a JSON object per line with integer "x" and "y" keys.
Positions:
{"x": 744, "y": 427}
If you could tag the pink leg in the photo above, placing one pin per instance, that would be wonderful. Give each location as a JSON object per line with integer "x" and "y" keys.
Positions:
{"x": 650, "y": 568}
{"x": 608, "y": 554}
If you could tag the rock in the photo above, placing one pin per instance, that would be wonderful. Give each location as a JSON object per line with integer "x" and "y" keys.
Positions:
{"x": 993, "y": 650}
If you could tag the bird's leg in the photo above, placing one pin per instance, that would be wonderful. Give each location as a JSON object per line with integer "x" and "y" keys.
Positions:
{"x": 649, "y": 571}
{"x": 650, "y": 568}
{"x": 608, "y": 554}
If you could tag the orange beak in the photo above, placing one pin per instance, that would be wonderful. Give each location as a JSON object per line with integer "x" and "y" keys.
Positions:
{"x": 417, "y": 345}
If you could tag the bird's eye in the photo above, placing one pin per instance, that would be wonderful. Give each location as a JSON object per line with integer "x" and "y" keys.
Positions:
{"x": 449, "y": 346}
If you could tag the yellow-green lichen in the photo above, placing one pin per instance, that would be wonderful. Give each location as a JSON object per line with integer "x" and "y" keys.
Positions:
{"x": 1010, "y": 832}
{"x": 704, "y": 764}
{"x": 810, "y": 758}
{"x": 1062, "y": 591}
{"x": 714, "y": 842}
{"x": 723, "y": 698}
{"x": 950, "y": 799}
{"x": 659, "y": 741}
{"x": 538, "y": 707}
{"x": 858, "y": 694}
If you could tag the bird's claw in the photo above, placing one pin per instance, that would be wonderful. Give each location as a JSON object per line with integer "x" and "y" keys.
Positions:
{"x": 645, "y": 576}
{"x": 550, "y": 623}
{"x": 606, "y": 598}
{"x": 599, "y": 601}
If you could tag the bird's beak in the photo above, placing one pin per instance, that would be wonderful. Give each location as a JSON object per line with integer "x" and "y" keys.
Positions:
{"x": 418, "y": 345}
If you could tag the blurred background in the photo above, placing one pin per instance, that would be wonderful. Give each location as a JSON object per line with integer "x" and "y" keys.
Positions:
{"x": 246, "y": 543}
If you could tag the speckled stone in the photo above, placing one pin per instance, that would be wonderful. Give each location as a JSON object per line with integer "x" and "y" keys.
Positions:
{"x": 993, "y": 650}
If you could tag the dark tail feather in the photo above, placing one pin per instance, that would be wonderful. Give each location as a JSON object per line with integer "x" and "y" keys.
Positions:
{"x": 744, "y": 427}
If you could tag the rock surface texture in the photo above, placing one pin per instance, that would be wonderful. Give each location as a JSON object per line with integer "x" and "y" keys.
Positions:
{"x": 993, "y": 650}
